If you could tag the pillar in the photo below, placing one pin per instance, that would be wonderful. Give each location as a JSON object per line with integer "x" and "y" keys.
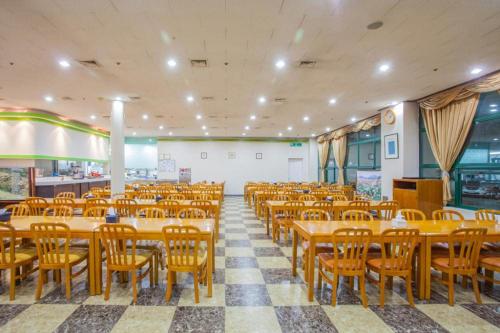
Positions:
{"x": 117, "y": 148}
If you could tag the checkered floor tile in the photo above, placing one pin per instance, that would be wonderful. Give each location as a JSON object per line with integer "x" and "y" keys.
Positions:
{"x": 254, "y": 291}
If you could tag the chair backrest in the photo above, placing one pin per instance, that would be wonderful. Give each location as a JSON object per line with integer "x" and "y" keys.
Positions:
{"x": 36, "y": 205}
{"x": 387, "y": 210}
{"x": 205, "y": 205}
{"x": 447, "y": 215}
{"x": 126, "y": 207}
{"x": 281, "y": 197}
{"x": 70, "y": 195}
{"x": 58, "y": 211}
{"x": 323, "y": 203}
{"x": 96, "y": 202}
{"x": 412, "y": 214}
{"x": 147, "y": 196}
{"x": 307, "y": 197}
{"x": 464, "y": 246}
{"x": 88, "y": 194}
{"x": 151, "y": 213}
{"x": 96, "y": 212}
{"x": 170, "y": 207}
{"x": 398, "y": 246}
{"x": 339, "y": 197}
{"x": 361, "y": 197}
{"x": 63, "y": 201}
{"x": 294, "y": 203}
{"x": 191, "y": 213}
{"x": 7, "y": 245}
{"x": 359, "y": 205}
{"x": 355, "y": 244}
{"x": 48, "y": 239}
{"x": 18, "y": 209}
{"x": 203, "y": 196}
{"x": 315, "y": 214}
{"x": 491, "y": 215}
{"x": 182, "y": 244}
{"x": 119, "y": 242}
{"x": 177, "y": 196}
{"x": 357, "y": 215}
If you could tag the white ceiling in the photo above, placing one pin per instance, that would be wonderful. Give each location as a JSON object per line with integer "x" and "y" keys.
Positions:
{"x": 417, "y": 37}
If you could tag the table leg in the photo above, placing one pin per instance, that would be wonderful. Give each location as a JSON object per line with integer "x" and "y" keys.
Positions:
{"x": 421, "y": 271}
{"x": 267, "y": 220}
{"x": 91, "y": 265}
{"x": 310, "y": 262}
{"x": 97, "y": 265}
{"x": 210, "y": 265}
{"x": 427, "y": 267}
{"x": 217, "y": 215}
{"x": 294, "y": 252}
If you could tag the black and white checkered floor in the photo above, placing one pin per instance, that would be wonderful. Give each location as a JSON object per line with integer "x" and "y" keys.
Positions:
{"x": 253, "y": 292}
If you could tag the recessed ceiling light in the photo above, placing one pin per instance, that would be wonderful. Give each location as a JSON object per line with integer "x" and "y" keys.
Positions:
{"x": 493, "y": 105}
{"x": 384, "y": 67}
{"x": 280, "y": 134}
{"x": 118, "y": 98}
{"x": 198, "y": 116}
{"x": 134, "y": 133}
{"x": 93, "y": 117}
{"x": 64, "y": 63}
{"x": 247, "y": 127}
{"x": 171, "y": 63}
{"x": 332, "y": 101}
{"x": 289, "y": 128}
{"x": 353, "y": 119}
{"x": 170, "y": 133}
{"x": 493, "y": 110}
{"x": 262, "y": 99}
{"x": 394, "y": 103}
{"x": 160, "y": 127}
{"x": 203, "y": 127}
{"x": 206, "y": 133}
{"x": 328, "y": 129}
{"x": 306, "y": 118}
{"x": 243, "y": 134}
{"x": 476, "y": 70}
{"x": 280, "y": 64}
{"x": 145, "y": 116}
{"x": 313, "y": 134}
{"x": 48, "y": 99}
{"x": 190, "y": 99}
{"x": 253, "y": 117}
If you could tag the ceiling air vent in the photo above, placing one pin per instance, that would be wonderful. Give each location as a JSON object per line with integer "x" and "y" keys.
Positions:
{"x": 89, "y": 63}
{"x": 199, "y": 63}
{"x": 207, "y": 98}
{"x": 159, "y": 116}
{"x": 307, "y": 64}
{"x": 134, "y": 98}
{"x": 280, "y": 100}
{"x": 106, "y": 116}
{"x": 212, "y": 116}
{"x": 67, "y": 98}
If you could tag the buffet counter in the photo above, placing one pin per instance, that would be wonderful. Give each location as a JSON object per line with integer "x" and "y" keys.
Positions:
{"x": 49, "y": 187}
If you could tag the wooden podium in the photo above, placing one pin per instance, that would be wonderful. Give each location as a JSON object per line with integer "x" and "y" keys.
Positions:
{"x": 423, "y": 194}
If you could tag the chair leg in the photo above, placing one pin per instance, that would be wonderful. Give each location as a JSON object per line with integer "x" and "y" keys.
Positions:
{"x": 334, "y": 289}
{"x": 134, "y": 285}
{"x": 381, "y": 282}
{"x": 40, "y": 284}
{"x": 320, "y": 278}
{"x": 168, "y": 294}
{"x": 362, "y": 289}
{"x": 409, "y": 290}
{"x": 451, "y": 291}
{"x": 67, "y": 274}
{"x": 475, "y": 286}
{"x": 109, "y": 274}
{"x": 12, "y": 291}
{"x": 152, "y": 273}
{"x": 196, "y": 287}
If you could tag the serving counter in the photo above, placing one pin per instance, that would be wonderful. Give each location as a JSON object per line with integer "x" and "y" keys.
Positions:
{"x": 49, "y": 187}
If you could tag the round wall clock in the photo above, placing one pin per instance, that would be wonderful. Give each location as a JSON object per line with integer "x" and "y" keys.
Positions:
{"x": 389, "y": 117}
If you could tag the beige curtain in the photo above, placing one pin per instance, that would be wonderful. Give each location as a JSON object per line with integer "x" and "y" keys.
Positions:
{"x": 362, "y": 125}
{"x": 339, "y": 148}
{"x": 447, "y": 129}
{"x": 323, "y": 158}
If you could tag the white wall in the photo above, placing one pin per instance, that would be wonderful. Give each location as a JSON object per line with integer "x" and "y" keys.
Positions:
{"x": 235, "y": 172}
{"x": 407, "y": 165}
{"x": 37, "y": 138}
{"x": 313, "y": 161}
{"x": 140, "y": 156}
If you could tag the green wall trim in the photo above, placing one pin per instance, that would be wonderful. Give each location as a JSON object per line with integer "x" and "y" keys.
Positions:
{"x": 141, "y": 140}
{"x": 46, "y": 118}
{"x": 48, "y": 157}
{"x": 229, "y": 139}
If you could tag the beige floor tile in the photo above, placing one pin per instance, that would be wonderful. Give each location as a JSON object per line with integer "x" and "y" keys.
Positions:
{"x": 237, "y": 236}
{"x": 241, "y": 319}
{"x": 274, "y": 262}
{"x": 355, "y": 318}
{"x": 220, "y": 262}
{"x": 373, "y": 295}
{"x": 263, "y": 243}
{"x": 119, "y": 295}
{"x": 456, "y": 319}
{"x": 239, "y": 252}
{"x": 218, "y": 296}
{"x": 145, "y": 319}
{"x": 288, "y": 251}
{"x": 289, "y": 294}
{"x": 256, "y": 230}
{"x": 244, "y": 276}
{"x": 39, "y": 318}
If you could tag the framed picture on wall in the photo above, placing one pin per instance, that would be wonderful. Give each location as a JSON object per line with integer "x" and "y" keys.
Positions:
{"x": 258, "y": 156}
{"x": 391, "y": 145}
{"x": 203, "y": 155}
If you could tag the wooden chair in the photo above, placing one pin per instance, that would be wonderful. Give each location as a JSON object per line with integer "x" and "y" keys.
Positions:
{"x": 350, "y": 262}
{"x": 184, "y": 255}
{"x": 52, "y": 245}
{"x": 491, "y": 265}
{"x": 147, "y": 196}
{"x": 123, "y": 258}
{"x": 170, "y": 207}
{"x": 176, "y": 197}
{"x": 151, "y": 213}
{"x": 447, "y": 215}
{"x": 387, "y": 210}
{"x": 307, "y": 197}
{"x": 126, "y": 207}
{"x": 18, "y": 209}
{"x": 361, "y": 197}
{"x": 285, "y": 217}
{"x": 357, "y": 215}
{"x": 36, "y": 205}
{"x": 464, "y": 246}
{"x": 490, "y": 215}
{"x": 359, "y": 205}
{"x": 88, "y": 194}
{"x": 15, "y": 259}
{"x": 205, "y": 205}
{"x": 411, "y": 215}
{"x": 203, "y": 196}
{"x": 281, "y": 197}
{"x": 397, "y": 246}
{"x": 314, "y": 214}
{"x": 64, "y": 201}
{"x": 95, "y": 202}
{"x": 192, "y": 213}
{"x": 58, "y": 211}
{"x": 96, "y": 212}
{"x": 339, "y": 197}
{"x": 70, "y": 195}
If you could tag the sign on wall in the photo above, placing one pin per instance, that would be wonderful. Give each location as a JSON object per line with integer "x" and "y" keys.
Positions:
{"x": 369, "y": 183}
{"x": 184, "y": 175}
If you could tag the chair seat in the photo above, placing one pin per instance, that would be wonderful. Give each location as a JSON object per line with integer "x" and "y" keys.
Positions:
{"x": 376, "y": 264}
{"x": 490, "y": 261}
{"x": 445, "y": 262}
{"x": 327, "y": 260}
{"x": 141, "y": 256}
{"x": 201, "y": 259}
{"x": 75, "y": 255}
{"x": 23, "y": 254}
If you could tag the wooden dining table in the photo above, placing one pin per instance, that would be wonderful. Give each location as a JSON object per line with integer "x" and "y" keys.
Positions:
{"x": 147, "y": 229}
{"x": 430, "y": 231}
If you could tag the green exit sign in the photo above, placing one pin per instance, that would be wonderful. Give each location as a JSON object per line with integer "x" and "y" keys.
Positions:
{"x": 295, "y": 144}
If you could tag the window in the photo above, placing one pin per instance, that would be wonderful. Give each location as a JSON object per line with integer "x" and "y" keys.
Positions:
{"x": 476, "y": 174}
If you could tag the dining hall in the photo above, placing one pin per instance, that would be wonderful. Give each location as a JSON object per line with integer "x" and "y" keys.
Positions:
{"x": 250, "y": 166}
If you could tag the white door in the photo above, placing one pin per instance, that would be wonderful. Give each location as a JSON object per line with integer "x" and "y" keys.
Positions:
{"x": 295, "y": 169}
